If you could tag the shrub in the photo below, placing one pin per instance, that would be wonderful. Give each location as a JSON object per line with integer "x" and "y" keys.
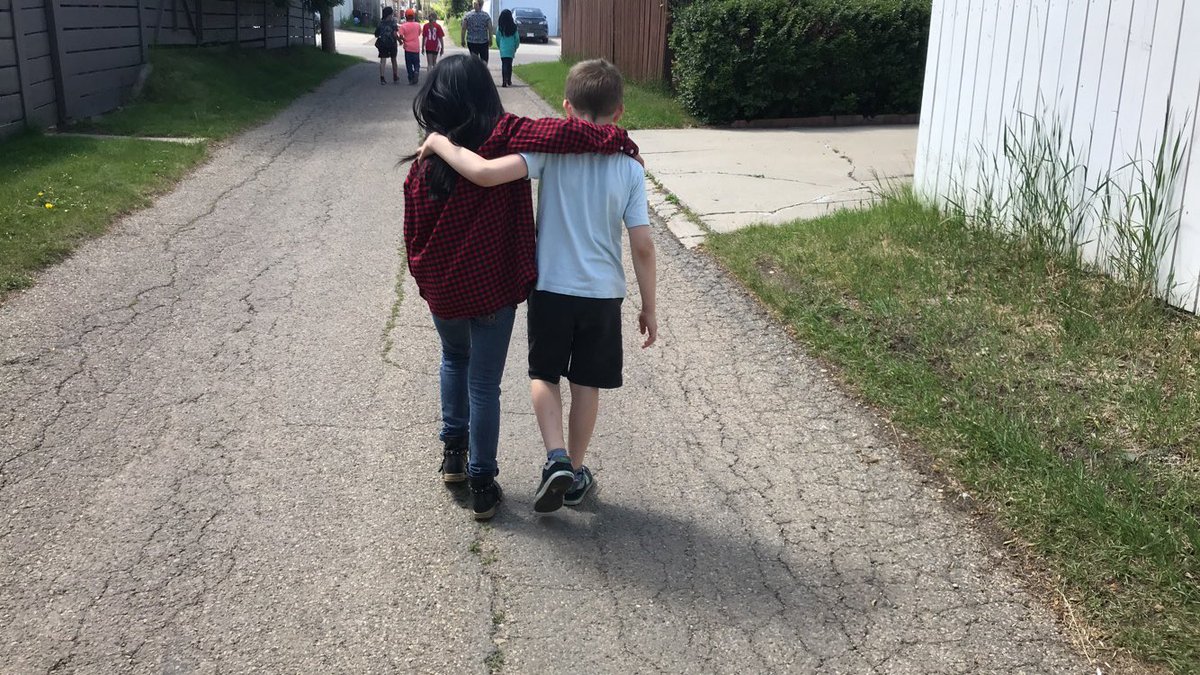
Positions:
{"x": 755, "y": 59}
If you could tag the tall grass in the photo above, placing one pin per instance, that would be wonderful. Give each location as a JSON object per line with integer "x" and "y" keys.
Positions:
{"x": 1039, "y": 190}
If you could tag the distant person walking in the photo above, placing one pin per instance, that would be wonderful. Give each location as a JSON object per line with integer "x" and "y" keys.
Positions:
{"x": 477, "y": 31}
{"x": 434, "y": 39}
{"x": 507, "y": 41}
{"x": 410, "y": 36}
{"x": 387, "y": 44}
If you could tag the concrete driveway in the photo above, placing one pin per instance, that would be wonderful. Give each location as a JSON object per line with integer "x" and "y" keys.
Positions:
{"x": 733, "y": 178}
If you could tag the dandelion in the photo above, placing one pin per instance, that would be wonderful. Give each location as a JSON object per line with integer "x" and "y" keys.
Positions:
{"x": 49, "y": 205}
{"x": 41, "y": 193}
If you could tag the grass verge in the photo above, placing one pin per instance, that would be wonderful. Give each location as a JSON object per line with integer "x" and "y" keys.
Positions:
{"x": 453, "y": 27}
{"x": 215, "y": 92}
{"x": 647, "y": 106}
{"x": 87, "y": 183}
{"x": 52, "y": 196}
{"x": 1065, "y": 402}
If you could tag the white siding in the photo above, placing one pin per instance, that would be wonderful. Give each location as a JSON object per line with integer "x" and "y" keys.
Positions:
{"x": 1104, "y": 69}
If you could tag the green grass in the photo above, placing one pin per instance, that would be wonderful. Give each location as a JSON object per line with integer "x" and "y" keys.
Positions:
{"x": 210, "y": 92}
{"x": 215, "y": 92}
{"x": 369, "y": 30}
{"x": 647, "y": 106}
{"x": 1064, "y": 401}
{"x": 89, "y": 183}
{"x": 453, "y": 27}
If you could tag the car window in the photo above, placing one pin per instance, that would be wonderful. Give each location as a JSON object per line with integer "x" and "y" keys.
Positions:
{"x": 529, "y": 14}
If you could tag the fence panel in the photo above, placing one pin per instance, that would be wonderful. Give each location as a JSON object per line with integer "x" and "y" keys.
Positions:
{"x": 62, "y": 60}
{"x": 1104, "y": 70}
{"x": 630, "y": 33}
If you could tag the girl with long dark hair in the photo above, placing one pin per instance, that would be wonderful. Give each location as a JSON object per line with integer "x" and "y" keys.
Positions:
{"x": 471, "y": 252}
{"x": 507, "y": 41}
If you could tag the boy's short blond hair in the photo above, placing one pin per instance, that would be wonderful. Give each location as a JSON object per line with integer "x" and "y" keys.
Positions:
{"x": 595, "y": 88}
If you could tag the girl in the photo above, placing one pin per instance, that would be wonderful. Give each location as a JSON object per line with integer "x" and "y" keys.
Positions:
{"x": 507, "y": 41}
{"x": 433, "y": 37}
{"x": 471, "y": 252}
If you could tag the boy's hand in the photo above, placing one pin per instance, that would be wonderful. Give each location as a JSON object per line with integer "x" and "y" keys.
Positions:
{"x": 427, "y": 148}
{"x": 648, "y": 326}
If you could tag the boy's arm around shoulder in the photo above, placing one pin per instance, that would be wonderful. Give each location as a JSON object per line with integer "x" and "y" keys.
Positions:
{"x": 469, "y": 165}
{"x": 571, "y": 135}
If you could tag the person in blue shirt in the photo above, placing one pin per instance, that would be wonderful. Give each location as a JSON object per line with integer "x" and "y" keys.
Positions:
{"x": 507, "y": 41}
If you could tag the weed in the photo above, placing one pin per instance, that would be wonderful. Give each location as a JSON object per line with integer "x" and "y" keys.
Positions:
{"x": 495, "y": 661}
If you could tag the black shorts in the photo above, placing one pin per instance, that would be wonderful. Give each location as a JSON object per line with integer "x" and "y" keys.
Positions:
{"x": 577, "y": 338}
{"x": 386, "y": 53}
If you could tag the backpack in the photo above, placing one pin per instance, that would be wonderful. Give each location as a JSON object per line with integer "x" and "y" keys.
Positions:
{"x": 386, "y": 40}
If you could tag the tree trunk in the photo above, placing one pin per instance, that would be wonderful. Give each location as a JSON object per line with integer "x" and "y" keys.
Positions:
{"x": 327, "y": 33}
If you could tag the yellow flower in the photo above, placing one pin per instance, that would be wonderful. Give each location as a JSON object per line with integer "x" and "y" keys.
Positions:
{"x": 49, "y": 205}
{"x": 41, "y": 193}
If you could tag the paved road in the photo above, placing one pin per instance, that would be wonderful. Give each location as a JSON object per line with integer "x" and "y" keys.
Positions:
{"x": 219, "y": 455}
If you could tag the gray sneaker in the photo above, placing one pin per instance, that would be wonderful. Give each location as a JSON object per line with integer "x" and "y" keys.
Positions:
{"x": 584, "y": 482}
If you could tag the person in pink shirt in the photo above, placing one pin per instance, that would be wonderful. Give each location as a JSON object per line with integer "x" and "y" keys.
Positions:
{"x": 410, "y": 37}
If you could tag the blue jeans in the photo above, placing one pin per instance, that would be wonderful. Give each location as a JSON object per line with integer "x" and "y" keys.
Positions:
{"x": 473, "y": 355}
{"x": 412, "y": 64}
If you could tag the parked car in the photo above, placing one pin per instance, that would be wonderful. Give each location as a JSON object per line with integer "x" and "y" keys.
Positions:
{"x": 531, "y": 24}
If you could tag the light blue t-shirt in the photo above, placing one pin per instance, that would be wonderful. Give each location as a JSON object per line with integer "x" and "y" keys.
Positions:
{"x": 583, "y": 200}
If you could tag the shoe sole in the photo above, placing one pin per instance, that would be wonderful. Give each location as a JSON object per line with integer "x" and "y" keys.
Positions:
{"x": 550, "y": 497}
{"x": 454, "y": 477}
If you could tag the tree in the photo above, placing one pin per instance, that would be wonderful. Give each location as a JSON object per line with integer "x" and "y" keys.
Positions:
{"x": 325, "y": 9}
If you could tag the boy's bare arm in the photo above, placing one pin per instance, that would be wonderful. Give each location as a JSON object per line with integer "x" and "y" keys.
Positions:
{"x": 641, "y": 249}
{"x": 469, "y": 165}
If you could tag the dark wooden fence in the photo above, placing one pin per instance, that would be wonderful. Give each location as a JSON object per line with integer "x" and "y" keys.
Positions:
{"x": 630, "y": 33}
{"x": 64, "y": 60}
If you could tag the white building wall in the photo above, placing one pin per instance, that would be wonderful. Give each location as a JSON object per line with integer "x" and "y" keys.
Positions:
{"x": 1105, "y": 69}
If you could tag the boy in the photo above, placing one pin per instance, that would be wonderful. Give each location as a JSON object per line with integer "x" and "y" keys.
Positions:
{"x": 410, "y": 37}
{"x": 385, "y": 43}
{"x": 575, "y": 311}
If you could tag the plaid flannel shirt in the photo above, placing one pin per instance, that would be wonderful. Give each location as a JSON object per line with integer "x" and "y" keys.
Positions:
{"x": 474, "y": 252}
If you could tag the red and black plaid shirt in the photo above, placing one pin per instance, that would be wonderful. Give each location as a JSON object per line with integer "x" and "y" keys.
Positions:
{"x": 473, "y": 252}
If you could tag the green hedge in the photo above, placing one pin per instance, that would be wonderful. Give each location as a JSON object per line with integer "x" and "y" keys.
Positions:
{"x": 759, "y": 59}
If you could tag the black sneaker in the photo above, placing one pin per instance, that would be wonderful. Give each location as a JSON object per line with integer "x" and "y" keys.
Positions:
{"x": 381, "y": 80}
{"x": 486, "y": 496}
{"x": 454, "y": 460}
{"x": 557, "y": 478}
{"x": 583, "y": 484}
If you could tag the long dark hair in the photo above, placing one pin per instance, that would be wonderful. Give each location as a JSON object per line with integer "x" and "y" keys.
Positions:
{"x": 506, "y": 24}
{"x": 459, "y": 101}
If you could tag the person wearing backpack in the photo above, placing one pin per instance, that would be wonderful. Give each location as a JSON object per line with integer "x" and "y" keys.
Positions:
{"x": 387, "y": 45}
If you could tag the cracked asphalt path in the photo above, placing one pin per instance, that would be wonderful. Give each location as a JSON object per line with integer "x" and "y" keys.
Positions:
{"x": 219, "y": 455}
